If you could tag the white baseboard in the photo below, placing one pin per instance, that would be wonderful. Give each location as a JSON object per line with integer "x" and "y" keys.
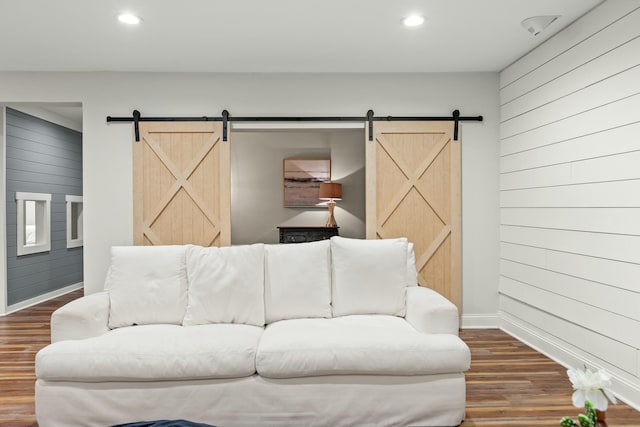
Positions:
{"x": 560, "y": 352}
{"x": 42, "y": 298}
{"x": 480, "y": 321}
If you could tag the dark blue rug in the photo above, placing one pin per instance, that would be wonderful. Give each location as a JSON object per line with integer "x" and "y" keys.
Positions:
{"x": 164, "y": 423}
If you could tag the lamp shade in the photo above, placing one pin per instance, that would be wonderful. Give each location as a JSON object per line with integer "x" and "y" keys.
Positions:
{"x": 330, "y": 190}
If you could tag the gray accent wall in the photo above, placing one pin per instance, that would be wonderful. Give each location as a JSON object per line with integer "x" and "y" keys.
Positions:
{"x": 41, "y": 157}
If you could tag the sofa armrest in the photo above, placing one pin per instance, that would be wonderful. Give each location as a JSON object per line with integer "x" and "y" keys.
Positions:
{"x": 431, "y": 313}
{"x": 85, "y": 317}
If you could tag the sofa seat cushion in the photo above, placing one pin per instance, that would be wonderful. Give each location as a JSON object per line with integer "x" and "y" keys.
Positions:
{"x": 358, "y": 344}
{"x": 152, "y": 353}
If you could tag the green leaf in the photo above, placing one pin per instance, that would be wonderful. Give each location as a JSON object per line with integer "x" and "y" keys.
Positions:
{"x": 591, "y": 412}
{"x": 585, "y": 421}
{"x": 568, "y": 422}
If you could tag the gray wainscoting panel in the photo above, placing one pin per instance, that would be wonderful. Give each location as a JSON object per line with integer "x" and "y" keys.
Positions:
{"x": 42, "y": 157}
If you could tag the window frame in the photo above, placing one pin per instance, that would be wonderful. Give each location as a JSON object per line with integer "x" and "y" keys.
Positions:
{"x": 71, "y": 242}
{"x": 45, "y": 246}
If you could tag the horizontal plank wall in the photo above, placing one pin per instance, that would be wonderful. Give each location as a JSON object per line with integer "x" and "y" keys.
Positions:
{"x": 570, "y": 195}
{"x": 41, "y": 157}
{"x": 3, "y": 222}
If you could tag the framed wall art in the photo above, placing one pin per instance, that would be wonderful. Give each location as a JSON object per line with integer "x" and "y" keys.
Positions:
{"x": 301, "y": 182}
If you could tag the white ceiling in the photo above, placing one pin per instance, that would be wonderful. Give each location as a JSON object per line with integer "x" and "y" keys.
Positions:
{"x": 273, "y": 35}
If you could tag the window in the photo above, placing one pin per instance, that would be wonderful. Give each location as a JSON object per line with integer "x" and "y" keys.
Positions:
{"x": 74, "y": 221}
{"x": 34, "y": 222}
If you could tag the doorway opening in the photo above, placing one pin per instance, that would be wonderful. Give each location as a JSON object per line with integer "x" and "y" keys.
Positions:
{"x": 257, "y": 155}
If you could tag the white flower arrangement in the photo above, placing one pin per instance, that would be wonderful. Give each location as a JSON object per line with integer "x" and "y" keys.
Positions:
{"x": 592, "y": 386}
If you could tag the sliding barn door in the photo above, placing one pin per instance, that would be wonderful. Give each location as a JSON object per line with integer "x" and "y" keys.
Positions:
{"x": 181, "y": 188}
{"x": 413, "y": 190}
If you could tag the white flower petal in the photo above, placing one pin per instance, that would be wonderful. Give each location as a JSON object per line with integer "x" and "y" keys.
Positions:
{"x": 591, "y": 385}
{"x": 573, "y": 375}
{"x": 604, "y": 379}
{"x": 578, "y": 398}
{"x": 597, "y": 398}
{"x": 576, "y": 377}
{"x": 604, "y": 375}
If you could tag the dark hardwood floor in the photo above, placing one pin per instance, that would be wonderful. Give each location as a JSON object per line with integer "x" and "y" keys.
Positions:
{"x": 22, "y": 334}
{"x": 509, "y": 384}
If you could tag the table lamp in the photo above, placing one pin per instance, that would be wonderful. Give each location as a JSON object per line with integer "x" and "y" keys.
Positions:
{"x": 330, "y": 191}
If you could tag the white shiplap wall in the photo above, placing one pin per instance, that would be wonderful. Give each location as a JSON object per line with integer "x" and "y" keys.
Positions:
{"x": 570, "y": 195}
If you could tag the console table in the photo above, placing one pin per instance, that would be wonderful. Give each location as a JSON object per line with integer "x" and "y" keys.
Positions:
{"x": 306, "y": 234}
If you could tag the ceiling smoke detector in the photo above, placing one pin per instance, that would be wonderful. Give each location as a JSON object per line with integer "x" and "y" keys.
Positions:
{"x": 536, "y": 24}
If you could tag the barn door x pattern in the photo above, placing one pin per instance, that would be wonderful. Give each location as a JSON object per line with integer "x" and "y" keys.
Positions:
{"x": 180, "y": 185}
{"x": 417, "y": 195}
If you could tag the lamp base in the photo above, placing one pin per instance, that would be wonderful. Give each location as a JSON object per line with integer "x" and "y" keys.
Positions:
{"x": 331, "y": 221}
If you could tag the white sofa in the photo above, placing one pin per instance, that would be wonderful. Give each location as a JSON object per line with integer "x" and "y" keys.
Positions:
{"x": 331, "y": 333}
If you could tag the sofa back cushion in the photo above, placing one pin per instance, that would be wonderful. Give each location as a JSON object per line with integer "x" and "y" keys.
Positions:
{"x": 226, "y": 285}
{"x": 297, "y": 281}
{"x": 147, "y": 285}
{"x": 369, "y": 276}
{"x": 412, "y": 271}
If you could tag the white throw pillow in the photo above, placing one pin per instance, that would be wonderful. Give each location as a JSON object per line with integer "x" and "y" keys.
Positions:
{"x": 297, "y": 281}
{"x": 147, "y": 285}
{"x": 226, "y": 285}
{"x": 368, "y": 276}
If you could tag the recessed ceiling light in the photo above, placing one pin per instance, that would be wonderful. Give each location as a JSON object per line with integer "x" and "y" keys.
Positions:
{"x": 413, "y": 20}
{"x": 130, "y": 19}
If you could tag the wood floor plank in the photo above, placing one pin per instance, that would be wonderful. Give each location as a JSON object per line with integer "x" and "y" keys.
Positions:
{"x": 22, "y": 334}
{"x": 509, "y": 383}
